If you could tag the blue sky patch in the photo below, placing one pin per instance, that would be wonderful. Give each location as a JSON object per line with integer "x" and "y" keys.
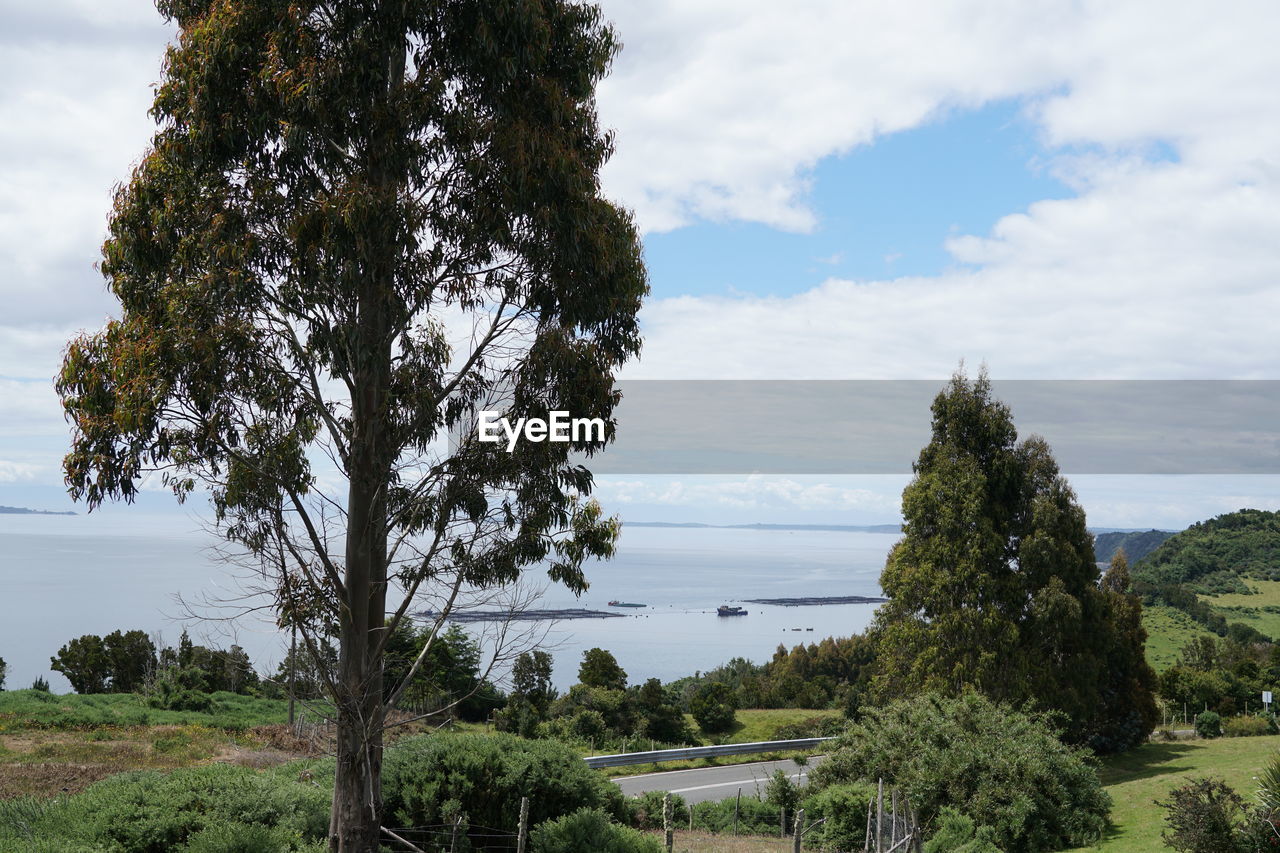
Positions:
{"x": 884, "y": 210}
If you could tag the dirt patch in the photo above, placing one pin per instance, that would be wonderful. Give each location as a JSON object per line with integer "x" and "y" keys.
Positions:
{"x": 49, "y": 780}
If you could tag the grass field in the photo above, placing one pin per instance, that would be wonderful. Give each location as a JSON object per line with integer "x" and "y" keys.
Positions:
{"x": 28, "y": 709}
{"x": 1250, "y": 609}
{"x": 1168, "y": 631}
{"x": 1138, "y": 778}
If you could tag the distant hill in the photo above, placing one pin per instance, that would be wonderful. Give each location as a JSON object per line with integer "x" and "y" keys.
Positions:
{"x": 1136, "y": 545}
{"x": 21, "y": 510}
{"x": 1213, "y": 557}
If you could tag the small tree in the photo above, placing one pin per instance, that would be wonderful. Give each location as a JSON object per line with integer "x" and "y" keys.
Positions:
{"x": 1203, "y": 816}
{"x": 1209, "y": 724}
{"x": 531, "y": 694}
{"x": 663, "y": 719}
{"x": 712, "y": 708}
{"x": 85, "y": 663}
{"x": 3, "y": 669}
{"x": 132, "y": 659}
{"x": 600, "y": 668}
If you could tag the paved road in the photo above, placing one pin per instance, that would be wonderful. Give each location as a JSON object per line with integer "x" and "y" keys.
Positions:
{"x": 715, "y": 783}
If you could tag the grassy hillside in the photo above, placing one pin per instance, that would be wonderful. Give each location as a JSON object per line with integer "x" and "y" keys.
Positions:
{"x": 1136, "y": 779}
{"x": 1259, "y": 608}
{"x": 29, "y": 709}
{"x": 1135, "y": 545}
{"x": 1168, "y": 631}
{"x": 1215, "y": 556}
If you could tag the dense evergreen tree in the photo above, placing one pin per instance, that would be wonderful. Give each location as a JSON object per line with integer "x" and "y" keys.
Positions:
{"x": 712, "y": 708}
{"x": 1127, "y": 691}
{"x": 600, "y": 668}
{"x": 993, "y": 586}
{"x": 85, "y": 663}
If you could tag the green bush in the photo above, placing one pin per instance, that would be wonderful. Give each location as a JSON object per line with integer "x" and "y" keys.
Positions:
{"x": 959, "y": 833}
{"x": 1209, "y": 724}
{"x": 1005, "y": 768}
{"x": 753, "y": 816}
{"x": 712, "y": 708}
{"x": 646, "y": 810}
{"x": 428, "y": 779}
{"x": 589, "y": 829}
{"x": 1203, "y": 817}
{"x": 247, "y": 838}
{"x": 1248, "y": 726}
{"x": 810, "y": 727}
{"x": 148, "y": 812}
{"x": 842, "y": 810}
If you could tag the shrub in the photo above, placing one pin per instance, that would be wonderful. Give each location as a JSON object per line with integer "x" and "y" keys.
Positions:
{"x": 753, "y": 816}
{"x": 810, "y": 727}
{"x": 147, "y": 812}
{"x": 1203, "y": 817}
{"x": 1247, "y": 726}
{"x": 842, "y": 810}
{"x": 712, "y": 707}
{"x": 1209, "y": 724}
{"x": 1004, "y": 768}
{"x": 958, "y": 833}
{"x": 782, "y": 793}
{"x": 427, "y": 779}
{"x": 589, "y": 829}
{"x": 646, "y": 810}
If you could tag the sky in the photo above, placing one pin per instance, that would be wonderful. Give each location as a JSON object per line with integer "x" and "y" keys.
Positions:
{"x": 827, "y": 190}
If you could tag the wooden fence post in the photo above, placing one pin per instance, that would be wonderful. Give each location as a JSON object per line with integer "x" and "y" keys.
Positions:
{"x": 736, "y": 804}
{"x": 799, "y": 833}
{"x": 880, "y": 816}
{"x": 666, "y": 821}
{"x": 522, "y": 831}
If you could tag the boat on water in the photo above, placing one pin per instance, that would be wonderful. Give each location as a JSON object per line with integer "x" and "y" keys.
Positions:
{"x": 625, "y": 604}
{"x": 726, "y": 610}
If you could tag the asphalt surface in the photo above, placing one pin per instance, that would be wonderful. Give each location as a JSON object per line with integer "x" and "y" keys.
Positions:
{"x": 716, "y": 783}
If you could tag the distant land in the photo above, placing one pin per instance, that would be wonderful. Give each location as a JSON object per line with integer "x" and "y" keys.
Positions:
{"x": 1136, "y": 545}
{"x": 21, "y": 510}
{"x": 848, "y": 528}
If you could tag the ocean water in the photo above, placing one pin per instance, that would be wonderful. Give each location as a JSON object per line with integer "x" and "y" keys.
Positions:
{"x": 63, "y": 576}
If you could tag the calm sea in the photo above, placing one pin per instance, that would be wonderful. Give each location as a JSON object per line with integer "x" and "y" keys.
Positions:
{"x": 63, "y": 576}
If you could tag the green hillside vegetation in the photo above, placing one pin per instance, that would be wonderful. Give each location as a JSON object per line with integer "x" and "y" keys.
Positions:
{"x": 1216, "y": 556}
{"x": 1259, "y": 608}
{"x": 1135, "y": 545}
{"x": 36, "y": 709}
{"x": 1169, "y": 631}
{"x": 1136, "y": 779}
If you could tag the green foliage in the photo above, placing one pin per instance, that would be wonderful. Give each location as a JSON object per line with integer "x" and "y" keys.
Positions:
{"x": 1135, "y": 545}
{"x": 600, "y": 668}
{"x": 753, "y": 816}
{"x": 449, "y": 676}
{"x": 428, "y": 779}
{"x": 660, "y": 714}
{"x": 646, "y": 810}
{"x": 207, "y": 807}
{"x": 1006, "y": 769}
{"x": 41, "y": 709}
{"x": 529, "y": 702}
{"x": 1203, "y": 816}
{"x": 810, "y": 727}
{"x": 712, "y": 708}
{"x": 1212, "y": 557}
{"x": 958, "y": 833}
{"x": 1209, "y": 724}
{"x": 85, "y": 663}
{"x": 993, "y": 586}
{"x": 842, "y": 810}
{"x": 40, "y": 684}
{"x": 782, "y": 793}
{"x": 589, "y": 829}
{"x": 1249, "y": 726}
{"x": 3, "y": 668}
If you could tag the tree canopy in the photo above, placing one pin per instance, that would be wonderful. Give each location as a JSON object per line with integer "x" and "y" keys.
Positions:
{"x": 356, "y": 226}
{"x": 993, "y": 586}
